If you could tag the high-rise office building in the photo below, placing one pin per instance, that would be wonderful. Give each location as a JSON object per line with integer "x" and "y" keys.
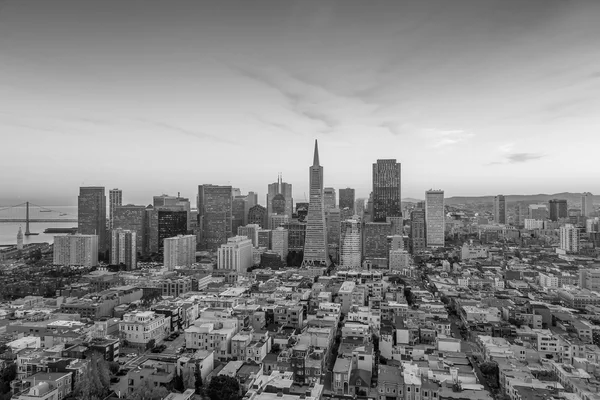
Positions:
{"x": 279, "y": 242}
{"x": 351, "y": 244}
{"x": 558, "y": 209}
{"x": 569, "y": 238}
{"x": 375, "y": 245}
{"x": 296, "y": 234}
{"x": 80, "y": 250}
{"x": 329, "y": 198}
{"x": 123, "y": 248}
{"x": 538, "y": 212}
{"x": 214, "y": 214}
{"x": 238, "y": 212}
{"x": 315, "y": 245}
{"x": 332, "y": 221}
{"x": 257, "y": 214}
{"x": 179, "y": 251}
{"x": 251, "y": 232}
{"x": 347, "y": 199}
{"x": 279, "y": 198}
{"x": 92, "y": 214}
{"x": 235, "y": 255}
{"x": 171, "y": 223}
{"x": 587, "y": 204}
{"x": 500, "y": 210}
{"x": 521, "y": 211}
{"x": 132, "y": 218}
{"x": 264, "y": 238}
{"x": 276, "y": 220}
{"x": 115, "y": 199}
{"x": 435, "y": 222}
{"x": 386, "y": 190}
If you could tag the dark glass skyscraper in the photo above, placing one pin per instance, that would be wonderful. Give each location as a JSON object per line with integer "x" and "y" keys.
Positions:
{"x": 214, "y": 214}
{"x": 133, "y": 218}
{"x": 386, "y": 190}
{"x": 315, "y": 245}
{"x": 171, "y": 223}
{"x": 558, "y": 209}
{"x": 417, "y": 230}
{"x": 258, "y": 215}
{"x": 346, "y": 199}
{"x": 91, "y": 214}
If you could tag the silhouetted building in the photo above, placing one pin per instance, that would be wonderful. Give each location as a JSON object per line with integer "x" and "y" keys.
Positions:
{"x": 347, "y": 199}
{"x": 214, "y": 214}
{"x": 258, "y": 215}
{"x": 558, "y": 209}
{"x": 333, "y": 220}
{"x": 92, "y": 214}
{"x": 386, "y": 190}
{"x": 238, "y": 212}
{"x": 171, "y": 223}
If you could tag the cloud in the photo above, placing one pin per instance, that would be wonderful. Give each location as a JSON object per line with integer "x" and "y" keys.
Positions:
{"x": 276, "y": 125}
{"x": 516, "y": 158}
{"x": 396, "y": 128}
{"x": 445, "y": 138}
{"x": 196, "y": 134}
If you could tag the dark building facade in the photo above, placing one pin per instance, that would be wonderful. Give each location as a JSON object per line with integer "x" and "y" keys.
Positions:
{"x": 375, "y": 243}
{"x": 386, "y": 190}
{"x": 171, "y": 223}
{"x": 132, "y": 218}
{"x": 346, "y": 199}
{"x": 258, "y": 215}
{"x": 214, "y": 215}
{"x": 238, "y": 212}
{"x": 418, "y": 239}
{"x": 558, "y": 209}
{"x": 296, "y": 233}
{"x": 91, "y": 214}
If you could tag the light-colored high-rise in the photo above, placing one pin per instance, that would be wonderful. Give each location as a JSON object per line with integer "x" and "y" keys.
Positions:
{"x": 251, "y": 232}
{"x": 115, "y": 199}
{"x": 587, "y": 204}
{"x": 329, "y": 198}
{"x": 80, "y": 250}
{"x": 500, "y": 210}
{"x": 123, "y": 248}
{"x": 434, "y": 218}
{"x": 235, "y": 255}
{"x": 351, "y": 244}
{"x": 279, "y": 242}
{"x": 569, "y": 238}
{"x": 315, "y": 245}
{"x": 179, "y": 251}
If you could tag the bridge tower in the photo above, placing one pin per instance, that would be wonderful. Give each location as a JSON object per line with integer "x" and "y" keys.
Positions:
{"x": 27, "y": 232}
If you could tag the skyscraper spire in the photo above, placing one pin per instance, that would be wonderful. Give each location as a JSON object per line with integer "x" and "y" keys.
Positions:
{"x": 316, "y": 157}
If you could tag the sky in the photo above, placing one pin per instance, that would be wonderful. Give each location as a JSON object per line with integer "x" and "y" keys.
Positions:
{"x": 475, "y": 97}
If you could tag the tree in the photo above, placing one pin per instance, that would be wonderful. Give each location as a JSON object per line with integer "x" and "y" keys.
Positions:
{"x": 95, "y": 383}
{"x": 113, "y": 367}
{"x": 223, "y": 388}
{"x": 276, "y": 348}
{"x": 146, "y": 391}
{"x": 198, "y": 384}
{"x": 9, "y": 373}
{"x": 150, "y": 344}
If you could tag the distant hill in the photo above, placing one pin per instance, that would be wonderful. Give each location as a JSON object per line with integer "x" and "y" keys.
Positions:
{"x": 410, "y": 200}
{"x": 572, "y": 198}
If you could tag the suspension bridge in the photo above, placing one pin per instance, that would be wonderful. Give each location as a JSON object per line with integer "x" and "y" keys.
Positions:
{"x": 62, "y": 216}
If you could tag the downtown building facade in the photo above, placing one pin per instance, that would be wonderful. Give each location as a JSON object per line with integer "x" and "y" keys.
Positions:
{"x": 347, "y": 200}
{"x": 235, "y": 255}
{"x": 329, "y": 198}
{"x": 251, "y": 232}
{"x": 558, "y": 209}
{"x": 587, "y": 204}
{"x": 279, "y": 198}
{"x": 179, "y": 251}
{"x": 500, "y": 210}
{"x": 214, "y": 215}
{"x": 418, "y": 239}
{"x": 315, "y": 246}
{"x": 91, "y": 214}
{"x": 569, "y": 238}
{"x": 351, "y": 244}
{"x": 257, "y": 214}
{"x": 133, "y": 218}
{"x": 115, "y": 199}
{"x": 386, "y": 190}
{"x": 279, "y": 242}
{"x": 76, "y": 250}
{"x": 375, "y": 243}
{"x": 123, "y": 248}
{"x": 434, "y": 218}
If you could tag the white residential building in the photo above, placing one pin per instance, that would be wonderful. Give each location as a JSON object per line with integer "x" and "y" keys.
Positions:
{"x": 279, "y": 242}
{"x": 350, "y": 244}
{"x": 569, "y": 238}
{"x": 180, "y": 251}
{"x": 235, "y": 255}
{"x": 251, "y": 232}
{"x": 434, "y": 218}
{"x": 549, "y": 281}
{"x": 140, "y": 327}
{"x": 81, "y": 250}
{"x": 399, "y": 260}
{"x": 123, "y": 248}
{"x": 532, "y": 224}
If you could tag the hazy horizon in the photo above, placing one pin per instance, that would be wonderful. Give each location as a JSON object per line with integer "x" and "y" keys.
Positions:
{"x": 474, "y": 97}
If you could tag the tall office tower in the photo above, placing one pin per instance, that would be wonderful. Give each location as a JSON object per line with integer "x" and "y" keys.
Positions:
{"x": 333, "y": 220}
{"x": 171, "y": 222}
{"x": 214, "y": 214}
{"x": 132, "y": 218}
{"x": 252, "y": 199}
{"x": 587, "y": 204}
{"x": 434, "y": 218}
{"x": 279, "y": 242}
{"x": 500, "y": 210}
{"x": 521, "y": 211}
{"x": 258, "y": 215}
{"x": 569, "y": 238}
{"x": 279, "y": 198}
{"x": 296, "y": 233}
{"x": 589, "y": 279}
{"x": 350, "y": 244}
{"x": 558, "y": 209}
{"x": 81, "y": 250}
{"x": 92, "y": 214}
{"x": 115, "y": 199}
{"x": 315, "y": 245}
{"x": 359, "y": 207}
{"x": 123, "y": 248}
{"x": 329, "y": 198}
{"x": 235, "y": 255}
{"x": 180, "y": 251}
{"x": 375, "y": 245}
{"x": 20, "y": 239}
{"x": 238, "y": 212}
{"x": 347, "y": 199}
{"x": 276, "y": 220}
{"x": 538, "y": 211}
{"x": 251, "y": 232}
{"x": 264, "y": 238}
{"x": 386, "y": 190}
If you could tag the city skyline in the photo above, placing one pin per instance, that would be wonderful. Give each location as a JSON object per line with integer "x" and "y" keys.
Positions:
{"x": 420, "y": 82}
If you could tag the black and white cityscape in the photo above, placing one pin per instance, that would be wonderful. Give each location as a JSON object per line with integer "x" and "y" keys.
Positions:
{"x": 299, "y": 200}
